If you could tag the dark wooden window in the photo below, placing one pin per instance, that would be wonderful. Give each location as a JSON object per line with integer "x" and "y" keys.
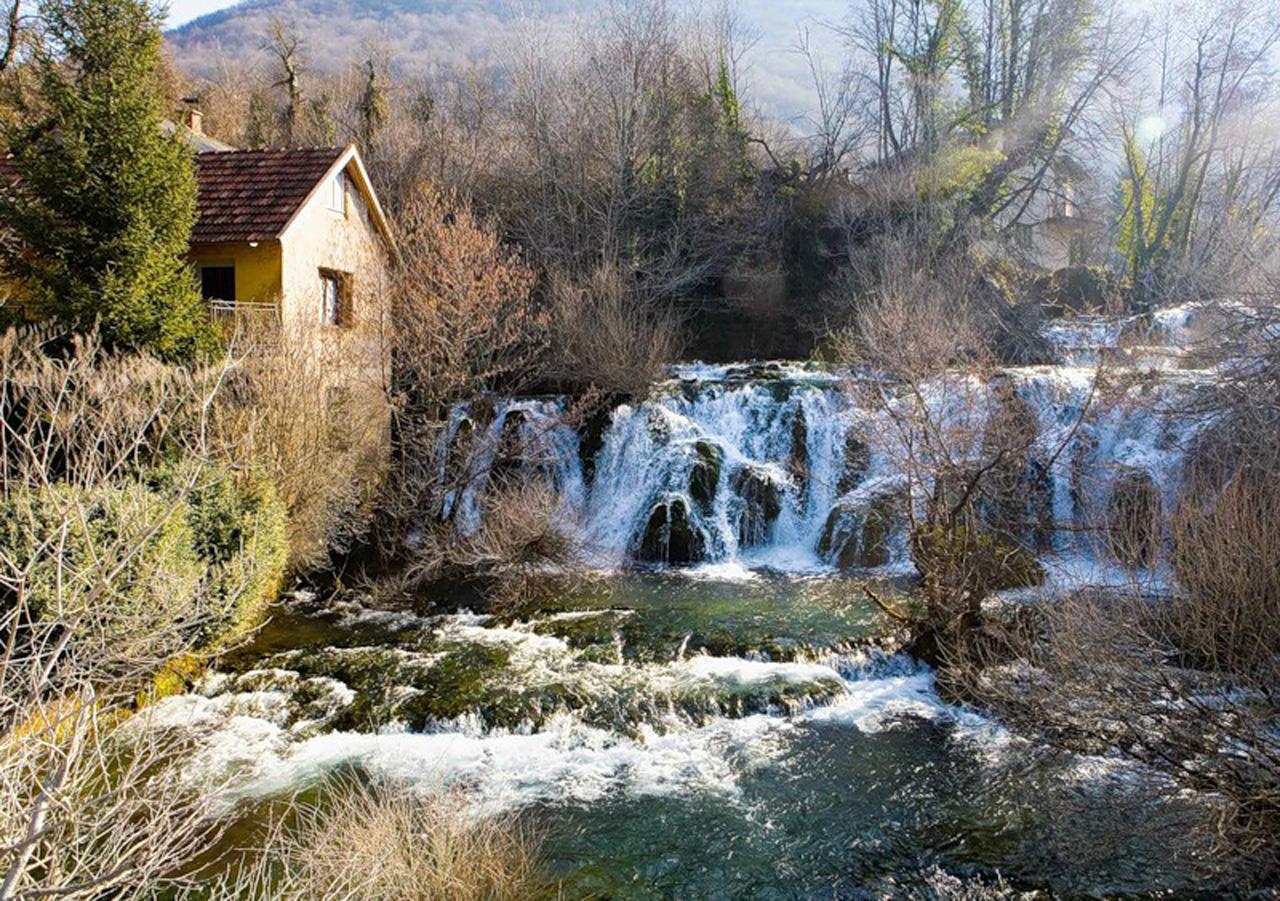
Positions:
{"x": 335, "y": 297}
{"x": 218, "y": 282}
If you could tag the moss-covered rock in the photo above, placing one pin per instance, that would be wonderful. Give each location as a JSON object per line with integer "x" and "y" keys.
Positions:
{"x": 704, "y": 478}
{"x": 857, "y": 536}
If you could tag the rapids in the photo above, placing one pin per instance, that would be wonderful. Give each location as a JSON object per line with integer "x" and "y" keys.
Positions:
{"x": 706, "y": 717}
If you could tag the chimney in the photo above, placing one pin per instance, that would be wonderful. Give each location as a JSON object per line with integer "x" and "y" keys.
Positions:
{"x": 192, "y": 117}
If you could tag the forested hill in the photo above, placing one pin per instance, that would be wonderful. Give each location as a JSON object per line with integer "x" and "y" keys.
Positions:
{"x": 416, "y": 33}
{"x": 424, "y": 36}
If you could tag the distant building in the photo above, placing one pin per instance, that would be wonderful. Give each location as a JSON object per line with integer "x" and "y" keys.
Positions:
{"x": 1061, "y": 225}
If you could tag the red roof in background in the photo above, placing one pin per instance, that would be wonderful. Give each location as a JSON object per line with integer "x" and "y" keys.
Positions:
{"x": 250, "y": 195}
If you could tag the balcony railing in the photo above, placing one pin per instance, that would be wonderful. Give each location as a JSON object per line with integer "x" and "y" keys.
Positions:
{"x": 245, "y": 308}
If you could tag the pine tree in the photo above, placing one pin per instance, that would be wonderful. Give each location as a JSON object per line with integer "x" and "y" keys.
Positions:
{"x": 106, "y": 200}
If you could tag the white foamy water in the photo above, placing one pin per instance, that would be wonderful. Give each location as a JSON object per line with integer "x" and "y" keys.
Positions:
{"x": 246, "y": 750}
{"x": 753, "y": 464}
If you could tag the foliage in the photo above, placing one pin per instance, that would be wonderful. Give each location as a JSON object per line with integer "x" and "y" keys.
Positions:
{"x": 239, "y": 529}
{"x": 62, "y": 538}
{"x": 104, "y": 207}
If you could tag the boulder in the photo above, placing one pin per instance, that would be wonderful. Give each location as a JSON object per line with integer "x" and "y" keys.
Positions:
{"x": 857, "y": 460}
{"x": 857, "y": 536}
{"x": 704, "y": 478}
{"x": 798, "y": 458}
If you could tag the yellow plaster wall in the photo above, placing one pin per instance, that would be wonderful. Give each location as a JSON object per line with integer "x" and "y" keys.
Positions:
{"x": 258, "y": 269}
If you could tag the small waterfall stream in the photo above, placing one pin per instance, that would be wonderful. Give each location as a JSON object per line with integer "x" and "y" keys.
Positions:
{"x": 784, "y": 467}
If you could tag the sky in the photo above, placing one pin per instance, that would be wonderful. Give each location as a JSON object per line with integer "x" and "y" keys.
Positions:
{"x": 181, "y": 11}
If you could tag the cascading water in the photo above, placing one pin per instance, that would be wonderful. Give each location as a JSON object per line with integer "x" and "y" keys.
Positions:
{"x": 709, "y": 723}
{"x": 780, "y": 466}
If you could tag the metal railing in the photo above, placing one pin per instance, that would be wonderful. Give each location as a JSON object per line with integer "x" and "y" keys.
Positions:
{"x": 247, "y": 308}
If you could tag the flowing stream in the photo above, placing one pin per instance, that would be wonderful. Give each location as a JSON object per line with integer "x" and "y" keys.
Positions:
{"x": 707, "y": 716}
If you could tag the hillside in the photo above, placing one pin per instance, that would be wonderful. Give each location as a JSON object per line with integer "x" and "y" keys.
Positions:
{"x": 417, "y": 34}
{"x": 421, "y": 36}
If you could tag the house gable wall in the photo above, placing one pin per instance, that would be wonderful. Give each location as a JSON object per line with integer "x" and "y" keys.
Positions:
{"x": 320, "y": 239}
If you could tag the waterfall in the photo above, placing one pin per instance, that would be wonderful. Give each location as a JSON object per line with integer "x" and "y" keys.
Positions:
{"x": 782, "y": 466}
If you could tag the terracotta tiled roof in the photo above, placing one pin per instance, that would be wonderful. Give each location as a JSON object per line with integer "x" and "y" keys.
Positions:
{"x": 250, "y": 195}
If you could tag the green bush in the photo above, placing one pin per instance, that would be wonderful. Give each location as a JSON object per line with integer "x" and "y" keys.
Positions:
{"x": 213, "y": 556}
{"x": 122, "y": 557}
{"x": 239, "y": 528}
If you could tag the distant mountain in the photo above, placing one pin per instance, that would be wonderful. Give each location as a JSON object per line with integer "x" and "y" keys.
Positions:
{"x": 420, "y": 35}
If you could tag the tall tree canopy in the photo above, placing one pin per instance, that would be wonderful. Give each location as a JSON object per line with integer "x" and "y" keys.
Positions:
{"x": 105, "y": 202}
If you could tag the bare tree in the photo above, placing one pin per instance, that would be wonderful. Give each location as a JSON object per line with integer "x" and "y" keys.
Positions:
{"x": 285, "y": 45}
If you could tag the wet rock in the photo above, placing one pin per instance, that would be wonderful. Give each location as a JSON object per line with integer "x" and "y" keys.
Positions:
{"x": 798, "y": 458}
{"x": 857, "y": 460}
{"x": 762, "y": 504}
{"x": 857, "y": 536}
{"x": 704, "y": 479}
{"x": 591, "y": 438}
{"x": 670, "y": 536}
{"x": 1133, "y": 519}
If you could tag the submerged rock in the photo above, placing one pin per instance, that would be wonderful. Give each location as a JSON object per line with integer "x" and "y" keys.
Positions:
{"x": 670, "y": 536}
{"x": 761, "y": 497}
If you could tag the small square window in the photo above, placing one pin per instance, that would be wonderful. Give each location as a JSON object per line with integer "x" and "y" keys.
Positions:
{"x": 218, "y": 282}
{"x": 335, "y": 297}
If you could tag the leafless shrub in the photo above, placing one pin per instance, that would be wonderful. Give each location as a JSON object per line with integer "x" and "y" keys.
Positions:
{"x": 312, "y": 415}
{"x": 607, "y": 334}
{"x": 960, "y": 434}
{"x": 384, "y": 843}
{"x": 1226, "y": 554}
{"x": 522, "y": 540}
{"x": 465, "y": 325}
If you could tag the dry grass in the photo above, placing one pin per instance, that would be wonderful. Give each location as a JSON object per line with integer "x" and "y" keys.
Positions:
{"x": 384, "y": 843}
